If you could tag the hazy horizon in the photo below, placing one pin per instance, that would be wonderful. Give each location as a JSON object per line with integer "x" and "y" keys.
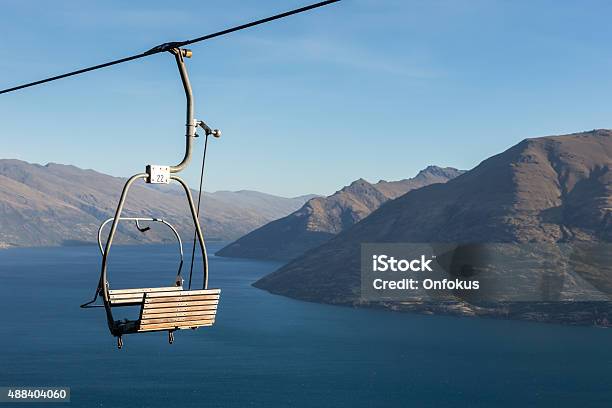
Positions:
{"x": 195, "y": 186}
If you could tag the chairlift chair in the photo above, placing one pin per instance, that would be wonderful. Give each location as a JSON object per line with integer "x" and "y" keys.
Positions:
{"x": 168, "y": 308}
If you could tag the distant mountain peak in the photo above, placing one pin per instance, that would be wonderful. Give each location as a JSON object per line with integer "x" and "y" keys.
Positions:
{"x": 358, "y": 186}
{"x": 323, "y": 217}
{"x": 429, "y": 175}
{"x": 438, "y": 171}
{"x": 360, "y": 181}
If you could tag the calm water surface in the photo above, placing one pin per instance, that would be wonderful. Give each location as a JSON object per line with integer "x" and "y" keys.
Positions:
{"x": 268, "y": 351}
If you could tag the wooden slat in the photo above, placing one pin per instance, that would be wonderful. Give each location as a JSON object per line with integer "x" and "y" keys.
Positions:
{"x": 177, "y": 325}
{"x": 185, "y": 293}
{"x": 190, "y": 298}
{"x": 177, "y": 319}
{"x": 135, "y": 301}
{"x": 131, "y": 298}
{"x": 149, "y": 306}
{"x": 127, "y": 296}
{"x": 145, "y": 290}
{"x": 149, "y": 316}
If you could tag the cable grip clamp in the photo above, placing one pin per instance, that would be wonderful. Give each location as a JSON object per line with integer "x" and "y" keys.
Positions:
{"x": 214, "y": 132}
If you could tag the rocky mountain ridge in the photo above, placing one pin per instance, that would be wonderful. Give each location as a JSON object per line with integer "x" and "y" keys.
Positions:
{"x": 322, "y": 218}
{"x": 55, "y": 204}
{"x": 555, "y": 189}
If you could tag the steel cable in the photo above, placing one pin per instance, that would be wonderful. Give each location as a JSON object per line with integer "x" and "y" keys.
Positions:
{"x": 168, "y": 46}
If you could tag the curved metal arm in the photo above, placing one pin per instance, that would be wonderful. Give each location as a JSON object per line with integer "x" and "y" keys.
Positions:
{"x": 190, "y": 123}
{"x": 103, "y": 283}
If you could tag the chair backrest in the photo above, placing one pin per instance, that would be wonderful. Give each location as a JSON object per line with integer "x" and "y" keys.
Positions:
{"x": 179, "y": 309}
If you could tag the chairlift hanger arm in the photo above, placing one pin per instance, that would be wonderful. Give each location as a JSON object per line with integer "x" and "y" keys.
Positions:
{"x": 172, "y": 45}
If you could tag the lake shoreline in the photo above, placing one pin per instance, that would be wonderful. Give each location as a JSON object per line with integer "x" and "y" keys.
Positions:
{"x": 585, "y": 314}
{"x": 4, "y": 245}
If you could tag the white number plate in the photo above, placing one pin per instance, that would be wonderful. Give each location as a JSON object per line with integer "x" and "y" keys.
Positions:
{"x": 159, "y": 174}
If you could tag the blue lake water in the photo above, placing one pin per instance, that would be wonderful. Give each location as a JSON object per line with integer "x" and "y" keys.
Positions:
{"x": 269, "y": 351}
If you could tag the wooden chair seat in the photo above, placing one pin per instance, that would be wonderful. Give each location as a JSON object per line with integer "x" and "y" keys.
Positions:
{"x": 171, "y": 310}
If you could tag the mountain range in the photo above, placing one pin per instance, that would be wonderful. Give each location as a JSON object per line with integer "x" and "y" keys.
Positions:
{"x": 322, "y": 218}
{"x": 555, "y": 189}
{"x": 55, "y": 204}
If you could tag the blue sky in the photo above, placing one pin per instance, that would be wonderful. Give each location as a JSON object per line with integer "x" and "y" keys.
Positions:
{"x": 364, "y": 88}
